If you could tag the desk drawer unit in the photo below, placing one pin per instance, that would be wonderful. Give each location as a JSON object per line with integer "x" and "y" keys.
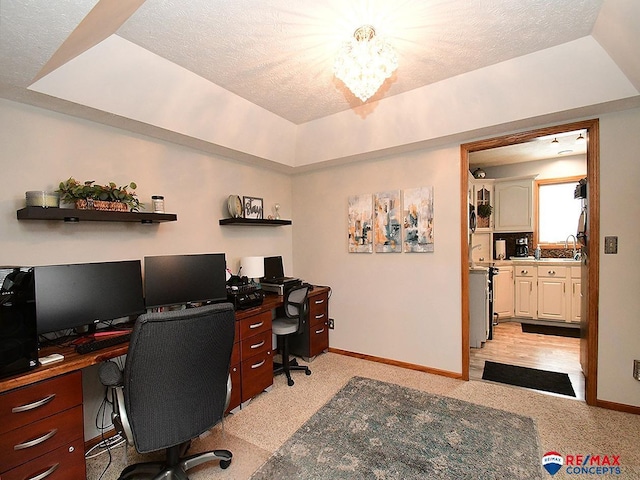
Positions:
{"x": 256, "y": 367}
{"x": 39, "y": 419}
{"x": 234, "y": 371}
{"x": 315, "y": 338}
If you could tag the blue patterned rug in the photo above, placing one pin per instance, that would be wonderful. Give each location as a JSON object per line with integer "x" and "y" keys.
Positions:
{"x": 376, "y": 430}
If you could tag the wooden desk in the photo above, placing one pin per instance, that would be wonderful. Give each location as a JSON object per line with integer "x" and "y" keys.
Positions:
{"x": 56, "y": 389}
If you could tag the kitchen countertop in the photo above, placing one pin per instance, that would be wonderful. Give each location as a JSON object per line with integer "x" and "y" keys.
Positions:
{"x": 528, "y": 261}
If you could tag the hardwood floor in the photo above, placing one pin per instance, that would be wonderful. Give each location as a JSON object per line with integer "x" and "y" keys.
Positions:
{"x": 545, "y": 352}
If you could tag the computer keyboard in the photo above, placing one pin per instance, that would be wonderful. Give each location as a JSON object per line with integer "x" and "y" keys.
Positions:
{"x": 102, "y": 343}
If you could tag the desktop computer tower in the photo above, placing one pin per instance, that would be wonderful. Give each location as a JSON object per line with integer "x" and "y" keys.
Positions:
{"x": 18, "y": 332}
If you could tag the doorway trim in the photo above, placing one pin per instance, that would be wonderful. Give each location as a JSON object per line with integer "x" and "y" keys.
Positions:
{"x": 589, "y": 323}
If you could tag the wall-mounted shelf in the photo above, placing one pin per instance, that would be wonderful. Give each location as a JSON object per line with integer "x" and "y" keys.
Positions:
{"x": 73, "y": 215}
{"x": 253, "y": 221}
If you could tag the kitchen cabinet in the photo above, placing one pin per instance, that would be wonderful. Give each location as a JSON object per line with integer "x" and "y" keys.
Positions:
{"x": 552, "y": 290}
{"x": 526, "y": 291}
{"x": 503, "y": 292}
{"x": 576, "y": 295}
{"x": 483, "y": 196}
{"x": 480, "y": 247}
{"x": 513, "y": 205}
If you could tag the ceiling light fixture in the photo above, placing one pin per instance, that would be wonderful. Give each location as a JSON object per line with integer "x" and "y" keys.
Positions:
{"x": 580, "y": 138}
{"x": 364, "y": 62}
{"x": 555, "y": 140}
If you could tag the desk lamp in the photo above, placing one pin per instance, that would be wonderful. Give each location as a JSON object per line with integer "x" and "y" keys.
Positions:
{"x": 252, "y": 268}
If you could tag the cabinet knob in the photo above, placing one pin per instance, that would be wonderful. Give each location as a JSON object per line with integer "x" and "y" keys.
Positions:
{"x": 524, "y": 272}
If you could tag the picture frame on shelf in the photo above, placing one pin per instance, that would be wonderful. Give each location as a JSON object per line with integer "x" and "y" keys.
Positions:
{"x": 253, "y": 207}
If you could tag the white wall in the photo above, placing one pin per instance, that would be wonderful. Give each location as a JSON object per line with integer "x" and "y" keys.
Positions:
{"x": 407, "y": 307}
{"x": 619, "y": 327}
{"x": 41, "y": 148}
{"x": 400, "y": 306}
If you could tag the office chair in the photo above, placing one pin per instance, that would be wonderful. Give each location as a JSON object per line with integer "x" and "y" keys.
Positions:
{"x": 175, "y": 386}
{"x": 294, "y": 316}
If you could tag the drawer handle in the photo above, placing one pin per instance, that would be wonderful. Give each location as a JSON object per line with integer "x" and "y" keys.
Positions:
{"x": 258, "y": 345}
{"x": 256, "y": 325}
{"x": 31, "y": 406}
{"x": 319, "y": 331}
{"x": 319, "y": 302}
{"x": 52, "y": 469}
{"x": 37, "y": 441}
{"x": 319, "y": 316}
{"x": 551, "y": 272}
{"x": 258, "y": 365}
{"x": 524, "y": 272}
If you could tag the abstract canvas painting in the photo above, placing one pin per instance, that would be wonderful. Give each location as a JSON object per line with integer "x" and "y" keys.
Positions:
{"x": 418, "y": 219}
{"x": 360, "y": 223}
{"x": 387, "y": 224}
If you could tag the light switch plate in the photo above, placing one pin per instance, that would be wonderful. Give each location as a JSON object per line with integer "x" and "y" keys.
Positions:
{"x": 611, "y": 245}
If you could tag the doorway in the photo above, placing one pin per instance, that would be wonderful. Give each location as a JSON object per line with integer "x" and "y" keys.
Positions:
{"x": 590, "y": 262}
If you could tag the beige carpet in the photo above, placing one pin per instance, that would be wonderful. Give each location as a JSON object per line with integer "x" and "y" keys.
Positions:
{"x": 567, "y": 426}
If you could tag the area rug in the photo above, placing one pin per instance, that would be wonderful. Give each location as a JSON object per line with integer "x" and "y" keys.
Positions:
{"x": 377, "y": 430}
{"x": 528, "y": 377}
{"x": 551, "y": 330}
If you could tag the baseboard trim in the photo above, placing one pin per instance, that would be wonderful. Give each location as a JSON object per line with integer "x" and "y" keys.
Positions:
{"x": 92, "y": 442}
{"x": 620, "y": 407}
{"x": 396, "y": 363}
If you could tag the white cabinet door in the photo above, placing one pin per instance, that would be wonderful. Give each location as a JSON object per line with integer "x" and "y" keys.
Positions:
{"x": 513, "y": 205}
{"x": 552, "y": 293}
{"x": 551, "y": 298}
{"x": 481, "y": 247}
{"x": 503, "y": 287}
{"x": 483, "y": 195}
{"x": 526, "y": 296}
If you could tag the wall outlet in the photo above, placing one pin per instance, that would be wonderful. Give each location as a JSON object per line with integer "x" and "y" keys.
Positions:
{"x": 331, "y": 324}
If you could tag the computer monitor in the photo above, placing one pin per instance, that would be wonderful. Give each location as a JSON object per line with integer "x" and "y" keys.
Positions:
{"x": 273, "y": 268}
{"x": 69, "y": 296}
{"x": 181, "y": 279}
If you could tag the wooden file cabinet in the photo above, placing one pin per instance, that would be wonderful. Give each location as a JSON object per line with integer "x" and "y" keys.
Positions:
{"x": 41, "y": 430}
{"x": 256, "y": 359}
{"x": 234, "y": 371}
{"x": 314, "y": 339}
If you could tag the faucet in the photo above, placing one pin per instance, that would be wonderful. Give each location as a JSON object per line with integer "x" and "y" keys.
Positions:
{"x": 576, "y": 255}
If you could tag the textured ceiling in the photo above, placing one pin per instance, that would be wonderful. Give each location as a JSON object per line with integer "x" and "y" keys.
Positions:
{"x": 279, "y": 54}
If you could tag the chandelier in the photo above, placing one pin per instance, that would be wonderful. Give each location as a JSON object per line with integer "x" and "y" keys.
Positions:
{"x": 364, "y": 62}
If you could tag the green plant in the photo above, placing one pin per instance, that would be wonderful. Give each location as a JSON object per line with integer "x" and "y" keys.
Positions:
{"x": 71, "y": 190}
{"x": 484, "y": 210}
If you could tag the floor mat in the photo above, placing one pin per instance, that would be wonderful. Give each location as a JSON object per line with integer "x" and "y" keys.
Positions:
{"x": 551, "y": 330}
{"x": 528, "y": 377}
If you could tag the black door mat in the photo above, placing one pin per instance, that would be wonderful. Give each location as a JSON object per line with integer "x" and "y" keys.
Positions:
{"x": 528, "y": 377}
{"x": 551, "y": 330}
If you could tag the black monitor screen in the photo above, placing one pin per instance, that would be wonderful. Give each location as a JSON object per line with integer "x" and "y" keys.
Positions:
{"x": 69, "y": 296}
{"x": 182, "y": 279}
{"x": 273, "y": 267}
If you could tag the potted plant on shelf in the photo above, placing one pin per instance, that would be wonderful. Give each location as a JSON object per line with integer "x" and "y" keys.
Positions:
{"x": 484, "y": 212}
{"x": 91, "y": 196}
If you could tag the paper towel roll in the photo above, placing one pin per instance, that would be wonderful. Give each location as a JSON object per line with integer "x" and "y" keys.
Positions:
{"x": 501, "y": 249}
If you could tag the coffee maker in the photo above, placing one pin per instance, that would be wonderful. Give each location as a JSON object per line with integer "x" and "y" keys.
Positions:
{"x": 522, "y": 247}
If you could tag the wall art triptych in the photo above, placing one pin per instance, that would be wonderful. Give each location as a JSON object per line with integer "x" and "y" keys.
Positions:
{"x": 392, "y": 221}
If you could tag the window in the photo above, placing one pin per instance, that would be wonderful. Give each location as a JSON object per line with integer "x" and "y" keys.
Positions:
{"x": 558, "y": 211}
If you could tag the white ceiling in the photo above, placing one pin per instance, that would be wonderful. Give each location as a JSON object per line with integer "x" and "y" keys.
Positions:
{"x": 278, "y": 54}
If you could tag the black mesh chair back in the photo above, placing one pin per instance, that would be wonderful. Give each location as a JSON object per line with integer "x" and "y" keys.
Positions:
{"x": 176, "y": 373}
